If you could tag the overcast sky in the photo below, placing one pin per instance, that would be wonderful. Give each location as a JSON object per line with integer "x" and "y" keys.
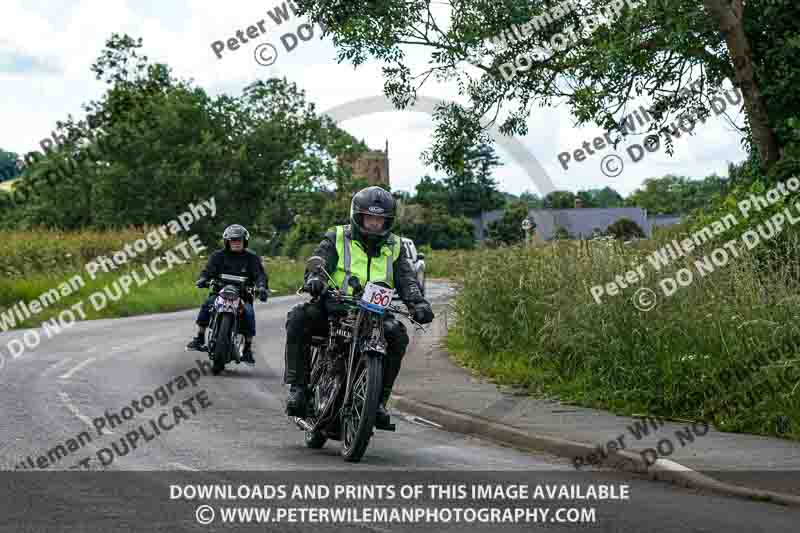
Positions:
{"x": 48, "y": 46}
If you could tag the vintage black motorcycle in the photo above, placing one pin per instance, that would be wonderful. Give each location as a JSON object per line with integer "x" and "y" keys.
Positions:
{"x": 346, "y": 371}
{"x": 223, "y": 340}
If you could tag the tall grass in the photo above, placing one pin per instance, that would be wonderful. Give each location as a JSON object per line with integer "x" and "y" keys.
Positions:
{"x": 525, "y": 316}
{"x": 37, "y": 262}
{"x": 55, "y": 252}
{"x": 450, "y": 264}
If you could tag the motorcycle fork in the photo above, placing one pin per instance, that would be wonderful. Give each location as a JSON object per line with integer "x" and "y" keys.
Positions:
{"x": 351, "y": 367}
{"x": 210, "y": 345}
{"x": 351, "y": 360}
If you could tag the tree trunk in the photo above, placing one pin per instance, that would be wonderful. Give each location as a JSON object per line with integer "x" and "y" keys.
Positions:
{"x": 728, "y": 15}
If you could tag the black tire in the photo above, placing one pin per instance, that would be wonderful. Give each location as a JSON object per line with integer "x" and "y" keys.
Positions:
{"x": 369, "y": 375}
{"x": 315, "y": 440}
{"x": 223, "y": 345}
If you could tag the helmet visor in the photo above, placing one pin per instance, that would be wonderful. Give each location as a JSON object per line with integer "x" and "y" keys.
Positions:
{"x": 372, "y": 224}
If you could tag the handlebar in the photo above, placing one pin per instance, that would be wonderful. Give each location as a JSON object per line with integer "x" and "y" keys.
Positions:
{"x": 353, "y": 300}
{"x": 215, "y": 282}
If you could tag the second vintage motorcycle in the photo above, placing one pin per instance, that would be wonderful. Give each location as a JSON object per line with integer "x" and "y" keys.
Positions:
{"x": 223, "y": 340}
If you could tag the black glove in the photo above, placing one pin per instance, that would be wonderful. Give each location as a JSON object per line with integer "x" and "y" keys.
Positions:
{"x": 263, "y": 293}
{"x": 202, "y": 283}
{"x": 315, "y": 286}
{"x": 423, "y": 313}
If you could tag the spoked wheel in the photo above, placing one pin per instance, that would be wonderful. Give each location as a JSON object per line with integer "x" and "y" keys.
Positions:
{"x": 222, "y": 346}
{"x": 324, "y": 396}
{"x": 359, "y": 419}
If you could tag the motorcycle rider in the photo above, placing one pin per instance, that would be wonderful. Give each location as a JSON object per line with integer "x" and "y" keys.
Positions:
{"x": 235, "y": 260}
{"x": 359, "y": 247}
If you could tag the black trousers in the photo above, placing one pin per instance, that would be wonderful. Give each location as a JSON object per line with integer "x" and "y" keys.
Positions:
{"x": 311, "y": 319}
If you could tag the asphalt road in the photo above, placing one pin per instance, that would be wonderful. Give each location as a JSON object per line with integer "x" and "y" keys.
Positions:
{"x": 53, "y": 394}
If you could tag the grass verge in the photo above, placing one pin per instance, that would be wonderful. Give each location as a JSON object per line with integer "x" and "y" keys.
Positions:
{"x": 43, "y": 260}
{"x": 723, "y": 349}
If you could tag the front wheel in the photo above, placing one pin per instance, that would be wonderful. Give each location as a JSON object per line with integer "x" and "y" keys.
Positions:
{"x": 359, "y": 419}
{"x": 222, "y": 346}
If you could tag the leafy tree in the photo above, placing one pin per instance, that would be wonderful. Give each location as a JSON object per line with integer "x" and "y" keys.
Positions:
{"x": 676, "y": 194}
{"x": 8, "y": 165}
{"x": 587, "y": 199}
{"x": 625, "y": 229}
{"x": 436, "y": 228}
{"x": 559, "y": 200}
{"x": 532, "y": 199}
{"x": 431, "y": 192}
{"x": 471, "y": 189}
{"x": 653, "y": 47}
{"x": 605, "y": 198}
{"x": 159, "y": 143}
{"x": 508, "y": 230}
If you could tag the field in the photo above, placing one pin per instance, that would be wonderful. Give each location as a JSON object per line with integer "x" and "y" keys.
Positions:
{"x": 39, "y": 261}
{"x": 723, "y": 349}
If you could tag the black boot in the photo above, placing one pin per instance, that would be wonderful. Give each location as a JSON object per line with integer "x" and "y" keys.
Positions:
{"x": 197, "y": 343}
{"x": 397, "y": 338}
{"x": 247, "y": 355}
{"x": 296, "y": 402}
{"x": 382, "y": 418}
{"x": 390, "y": 371}
{"x": 295, "y": 363}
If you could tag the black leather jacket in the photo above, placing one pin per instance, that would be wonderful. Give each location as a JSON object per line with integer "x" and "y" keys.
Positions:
{"x": 405, "y": 279}
{"x": 245, "y": 263}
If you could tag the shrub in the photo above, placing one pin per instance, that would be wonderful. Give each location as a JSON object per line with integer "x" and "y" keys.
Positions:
{"x": 508, "y": 230}
{"x": 561, "y": 233}
{"x": 625, "y": 229}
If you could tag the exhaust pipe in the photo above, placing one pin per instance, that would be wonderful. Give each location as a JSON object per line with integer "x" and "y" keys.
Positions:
{"x": 302, "y": 424}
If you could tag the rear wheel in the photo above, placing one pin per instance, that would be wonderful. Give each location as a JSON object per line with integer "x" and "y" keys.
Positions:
{"x": 359, "y": 420}
{"x": 222, "y": 346}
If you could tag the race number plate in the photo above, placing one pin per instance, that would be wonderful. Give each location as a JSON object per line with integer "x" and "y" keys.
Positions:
{"x": 376, "y": 298}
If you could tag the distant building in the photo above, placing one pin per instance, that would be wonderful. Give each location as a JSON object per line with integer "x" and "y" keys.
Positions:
{"x": 663, "y": 221}
{"x": 372, "y": 166}
{"x": 580, "y": 222}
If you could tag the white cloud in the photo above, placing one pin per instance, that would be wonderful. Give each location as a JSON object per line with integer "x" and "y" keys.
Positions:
{"x": 180, "y": 34}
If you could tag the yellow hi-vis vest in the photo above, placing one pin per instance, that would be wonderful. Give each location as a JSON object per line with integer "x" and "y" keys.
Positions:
{"x": 353, "y": 261}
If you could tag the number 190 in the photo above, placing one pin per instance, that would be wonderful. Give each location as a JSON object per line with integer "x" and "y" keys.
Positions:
{"x": 381, "y": 299}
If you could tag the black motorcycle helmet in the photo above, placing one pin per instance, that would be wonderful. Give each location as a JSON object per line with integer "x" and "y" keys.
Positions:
{"x": 235, "y": 231}
{"x": 373, "y": 201}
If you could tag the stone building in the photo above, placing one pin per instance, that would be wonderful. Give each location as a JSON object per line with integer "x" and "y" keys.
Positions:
{"x": 372, "y": 166}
